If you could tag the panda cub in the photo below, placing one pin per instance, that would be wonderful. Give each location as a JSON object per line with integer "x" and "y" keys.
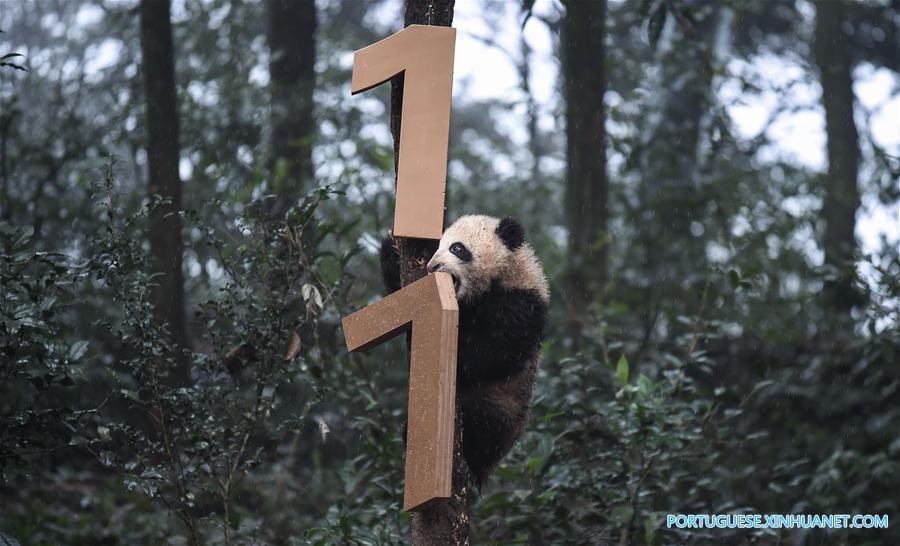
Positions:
{"x": 503, "y": 295}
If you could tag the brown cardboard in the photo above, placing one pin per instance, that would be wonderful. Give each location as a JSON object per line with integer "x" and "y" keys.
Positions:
{"x": 429, "y": 307}
{"x": 425, "y": 55}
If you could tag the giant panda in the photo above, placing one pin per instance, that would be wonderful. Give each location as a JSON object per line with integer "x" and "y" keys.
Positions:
{"x": 503, "y": 296}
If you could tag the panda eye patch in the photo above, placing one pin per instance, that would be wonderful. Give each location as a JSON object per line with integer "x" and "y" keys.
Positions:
{"x": 460, "y": 251}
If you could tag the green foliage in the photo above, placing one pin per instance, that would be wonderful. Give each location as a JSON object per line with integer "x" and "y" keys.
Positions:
{"x": 36, "y": 363}
{"x": 191, "y": 446}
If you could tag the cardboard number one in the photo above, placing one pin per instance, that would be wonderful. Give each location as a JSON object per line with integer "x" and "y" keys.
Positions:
{"x": 428, "y": 306}
{"x": 424, "y": 54}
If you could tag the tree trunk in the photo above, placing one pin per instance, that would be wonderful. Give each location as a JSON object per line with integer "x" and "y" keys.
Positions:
{"x": 673, "y": 191}
{"x": 587, "y": 187}
{"x": 442, "y": 522}
{"x": 166, "y": 245}
{"x": 841, "y": 191}
{"x": 6, "y": 122}
{"x": 291, "y": 34}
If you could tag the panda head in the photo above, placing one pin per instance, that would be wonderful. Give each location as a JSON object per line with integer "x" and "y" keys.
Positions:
{"x": 477, "y": 250}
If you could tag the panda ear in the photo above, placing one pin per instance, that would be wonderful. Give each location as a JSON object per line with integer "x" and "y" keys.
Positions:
{"x": 511, "y": 233}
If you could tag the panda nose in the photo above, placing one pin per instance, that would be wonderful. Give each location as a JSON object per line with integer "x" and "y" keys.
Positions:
{"x": 432, "y": 267}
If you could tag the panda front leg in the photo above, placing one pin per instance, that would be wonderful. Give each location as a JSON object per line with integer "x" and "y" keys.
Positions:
{"x": 390, "y": 265}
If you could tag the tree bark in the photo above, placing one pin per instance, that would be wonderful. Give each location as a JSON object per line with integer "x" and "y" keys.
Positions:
{"x": 583, "y": 52}
{"x": 841, "y": 192}
{"x": 673, "y": 191}
{"x": 441, "y": 522}
{"x": 291, "y": 34}
{"x": 166, "y": 245}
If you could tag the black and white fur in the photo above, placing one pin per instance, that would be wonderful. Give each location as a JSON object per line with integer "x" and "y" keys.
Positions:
{"x": 503, "y": 295}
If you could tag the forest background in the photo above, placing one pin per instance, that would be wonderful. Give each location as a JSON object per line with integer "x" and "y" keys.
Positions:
{"x": 190, "y": 199}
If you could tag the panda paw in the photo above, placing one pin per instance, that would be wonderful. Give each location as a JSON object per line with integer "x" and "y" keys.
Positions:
{"x": 390, "y": 265}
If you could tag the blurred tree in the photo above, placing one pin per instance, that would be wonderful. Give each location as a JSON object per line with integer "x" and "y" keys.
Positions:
{"x": 583, "y": 50}
{"x": 841, "y": 191}
{"x": 166, "y": 245}
{"x": 676, "y": 196}
{"x": 291, "y": 34}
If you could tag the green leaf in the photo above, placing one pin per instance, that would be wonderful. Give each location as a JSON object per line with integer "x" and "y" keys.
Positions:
{"x": 650, "y": 529}
{"x": 23, "y": 236}
{"x": 622, "y": 370}
{"x": 621, "y": 514}
{"x": 644, "y": 384}
{"x": 77, "y": 350}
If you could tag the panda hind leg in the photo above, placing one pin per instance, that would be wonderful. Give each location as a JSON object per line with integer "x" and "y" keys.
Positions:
{"x": 490, "y": 430}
